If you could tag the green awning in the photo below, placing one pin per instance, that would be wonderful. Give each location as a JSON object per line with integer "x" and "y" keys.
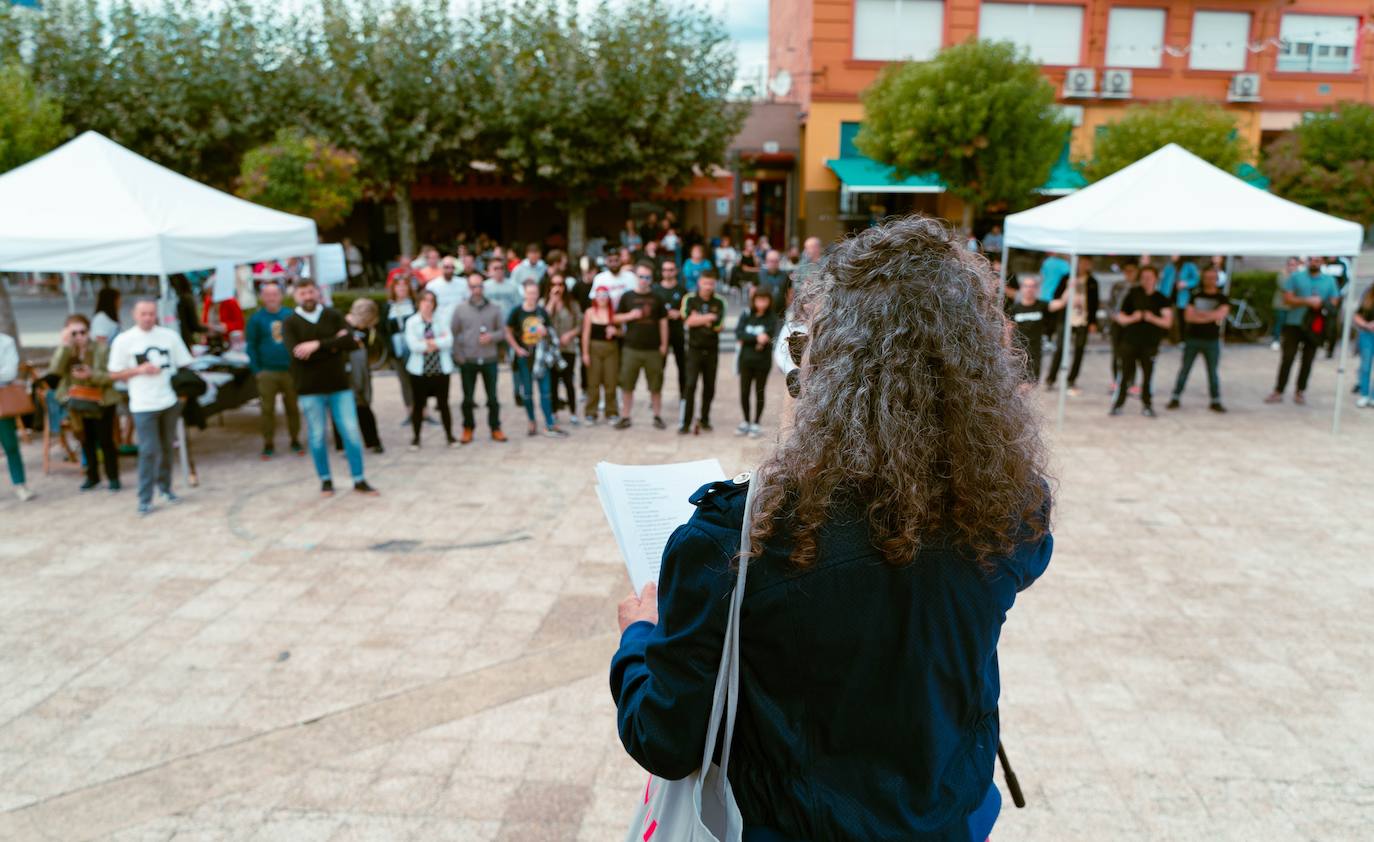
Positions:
{"x": 1064, "y": 177}
{"x": 865, "y": 175}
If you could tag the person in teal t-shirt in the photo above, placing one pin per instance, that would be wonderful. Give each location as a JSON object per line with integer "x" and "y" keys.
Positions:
{"x": 693, "y": 266}
{"x": 1304, "y": 292}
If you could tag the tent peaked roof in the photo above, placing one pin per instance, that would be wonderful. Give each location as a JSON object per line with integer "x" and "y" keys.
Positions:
{"x": 1173, "y": 202}
{"x": 93, "y": 206}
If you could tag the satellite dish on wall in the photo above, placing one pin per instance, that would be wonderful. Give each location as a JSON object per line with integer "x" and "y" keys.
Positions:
{"x": 781, "y": 84}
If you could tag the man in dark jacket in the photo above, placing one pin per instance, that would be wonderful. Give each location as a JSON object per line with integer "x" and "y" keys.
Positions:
{"x": 319, "y": 341}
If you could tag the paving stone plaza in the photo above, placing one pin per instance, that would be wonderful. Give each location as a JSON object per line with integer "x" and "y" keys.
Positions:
{"x": 258, "y": 663}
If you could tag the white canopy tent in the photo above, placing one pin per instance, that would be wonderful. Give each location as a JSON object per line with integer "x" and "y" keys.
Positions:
{"x": 93, "y": 206}
{"x": 1173, "y": 202}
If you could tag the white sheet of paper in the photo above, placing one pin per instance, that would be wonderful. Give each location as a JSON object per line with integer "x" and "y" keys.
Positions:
{"x": 645, "y": 503}
{"x": 225, "y": 279}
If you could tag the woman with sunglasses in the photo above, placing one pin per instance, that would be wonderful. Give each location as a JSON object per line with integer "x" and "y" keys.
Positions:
{"x": 756, "y": 331}
{"x": 901, "y": 512}
{"x": 89, "y": 395}
{"x": 565, "y": 320}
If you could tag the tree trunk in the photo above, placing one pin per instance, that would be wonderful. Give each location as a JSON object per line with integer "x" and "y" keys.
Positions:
{"x": 577, "y": 230}
{"x": 8, "y": 325}
{"x": 405, "y": 219}
{"x": 968, "y": 218}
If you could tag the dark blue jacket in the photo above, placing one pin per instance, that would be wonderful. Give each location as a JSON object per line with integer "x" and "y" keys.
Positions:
{"x": 868, "y": 706}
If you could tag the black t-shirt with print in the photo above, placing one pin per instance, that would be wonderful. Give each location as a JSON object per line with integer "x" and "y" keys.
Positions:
{"x": 672, "y": 300}
{"x": 523, "y": 324}
{"x": 1205, "y": 302}
{"x": 642, "y": 334}
{"x": 1032, "y": 321}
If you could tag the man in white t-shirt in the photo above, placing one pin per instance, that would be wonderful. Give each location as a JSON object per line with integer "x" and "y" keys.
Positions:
{"x": 449, "y": 291}
{"x": 146, "y": 357}
{"x": 615, "y": 278}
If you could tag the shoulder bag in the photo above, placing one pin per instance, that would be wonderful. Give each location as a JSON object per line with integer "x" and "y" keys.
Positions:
{"x": 701, "y": 807}
{"x": 15, "y": 399}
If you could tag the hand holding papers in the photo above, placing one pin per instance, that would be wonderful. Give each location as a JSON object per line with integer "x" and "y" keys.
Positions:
{"x": 645, "y": 503}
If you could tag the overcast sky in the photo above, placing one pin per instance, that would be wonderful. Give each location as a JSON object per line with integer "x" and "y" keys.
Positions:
{"x": 748, "y": 24}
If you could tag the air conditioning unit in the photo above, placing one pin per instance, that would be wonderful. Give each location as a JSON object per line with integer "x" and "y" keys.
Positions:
{"x": 1116, "y": 84}
{"x": 1245, "y": 87}
{"x": 1080, "y": 82}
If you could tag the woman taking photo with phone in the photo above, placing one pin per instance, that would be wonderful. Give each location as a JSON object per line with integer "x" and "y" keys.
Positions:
{"x": 901, "y": 512}
{"x": 90, "y": 397}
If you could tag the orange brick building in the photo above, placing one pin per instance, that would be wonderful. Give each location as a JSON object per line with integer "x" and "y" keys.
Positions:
{"x": 1266, "y": 61}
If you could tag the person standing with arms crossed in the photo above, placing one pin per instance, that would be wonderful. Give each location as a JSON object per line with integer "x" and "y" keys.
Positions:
{"x": 704, "y": 314}
{"x": 1145, "y": 318}
{"x": 147, "y": 357}
{"x": 645, "y": 321}
{"x": 320, "y": 341}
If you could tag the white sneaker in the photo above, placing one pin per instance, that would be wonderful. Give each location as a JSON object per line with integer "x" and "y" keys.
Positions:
{"x": 1275, "y": 346}
{"x": 575, "y": 420}
{"x": 23, "y": 493}
{"x": 1363, "y": 402}
{"x": 755, "y": 431}
{"x": 591, "y": 420}
{"x": 742, "y": 429}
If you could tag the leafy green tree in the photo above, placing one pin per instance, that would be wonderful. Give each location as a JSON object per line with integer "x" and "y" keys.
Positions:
{"x": 1327, "y": 162}
{"x": 980, "y": 116}
{"x": 188, "y": 84}
{"x": 30, "y": 125}
{"x": 395, "y": 90}
{"x": 633, "y": 98}
{"x": 30, "y": 120}
{"x": 303, "y": 175}
{"x": 1203, "y": 128}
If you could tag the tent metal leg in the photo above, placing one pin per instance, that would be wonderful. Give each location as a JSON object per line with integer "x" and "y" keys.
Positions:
{"x": 1066, "y": 340}
{"x": 1347, "y": 319}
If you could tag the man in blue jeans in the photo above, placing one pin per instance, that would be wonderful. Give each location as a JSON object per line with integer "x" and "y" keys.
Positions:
{"x": 146, "y": 357}
{"x": 320, "y": 341}
{"x": 1202, "y": 319}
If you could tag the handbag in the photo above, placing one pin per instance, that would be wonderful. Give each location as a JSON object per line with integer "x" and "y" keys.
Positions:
{"x": 701, "y": 807}
{"x": 85, "y": 400}
{"x": 15, "y": 400}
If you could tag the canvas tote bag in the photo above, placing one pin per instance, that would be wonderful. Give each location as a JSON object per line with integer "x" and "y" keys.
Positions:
{"x": 701, "y": 807}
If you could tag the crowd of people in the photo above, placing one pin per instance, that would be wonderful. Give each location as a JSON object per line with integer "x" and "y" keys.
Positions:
{"x": 576, "y": 337}
{"x": 1184, "y": 303}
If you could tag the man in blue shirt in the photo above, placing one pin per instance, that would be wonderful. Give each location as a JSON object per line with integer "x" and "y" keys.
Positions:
{"x": 270, "y": 362}
{"x": 1311, "y": 297}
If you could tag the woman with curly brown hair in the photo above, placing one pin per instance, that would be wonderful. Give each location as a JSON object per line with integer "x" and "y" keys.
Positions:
{"x": 903, "y": 509}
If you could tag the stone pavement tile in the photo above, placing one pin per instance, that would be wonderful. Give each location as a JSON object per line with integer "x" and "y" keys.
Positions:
{"x": 474, "y": 796}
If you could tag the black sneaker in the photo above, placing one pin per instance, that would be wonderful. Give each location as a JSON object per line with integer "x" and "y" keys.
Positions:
{"x": 297, "y": 449}
{"x": 327, "y": 488}
{"x": 1172, "y": 404}
{"x": 1116, "y": 410}
{"x": 1147, "y": 411}
{"x": 114, "y": 485}
{"x": 362, "y": 487}
{"x": 684, "y": 431}
{"x": 623, "y": 424}
{"x": 268, "y": 452}
{"x": 704, "y": 426}
{"x": 89, "y": 484}
{"x": 658, "y": 423}
{"x": 1216, "y": 406}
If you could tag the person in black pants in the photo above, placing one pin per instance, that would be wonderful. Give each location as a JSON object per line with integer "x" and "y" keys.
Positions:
{"x": 1311, "y": 297}
{"x": 1145, "y": 318}
{"x": 430, "y": 365}
{"x": 704, "y": 316}
{"x": 755, "y": 333}
{"x": 1085, "y": 303}
{"x": 670, "y": 291}
{"x": 1130, "y": 274}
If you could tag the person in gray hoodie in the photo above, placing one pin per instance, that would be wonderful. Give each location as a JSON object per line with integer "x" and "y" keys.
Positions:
{"x": 478, "y": 325}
